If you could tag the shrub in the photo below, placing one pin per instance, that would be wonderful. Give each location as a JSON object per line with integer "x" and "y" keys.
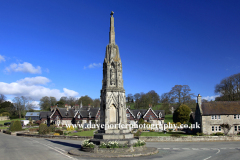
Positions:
{"x": 7, "y": 123}
{"x": 152, "y": 130}
{"x": 87, "y": 144}
{"x": 137, "y": 134}
{"x": 56, "y": 134}
{"x": 15, "y": 126}
{"x": 59, "y": 131}
{"x": 70, "y": 128}
{"x": 5, "y": 114}
{"x": 38, "y": 122}
{"x": 33, "y": 129}
{"x": 139, "y": 143}
{"x": 8, "y": 132}
{"x": 200, "y": 134}
{"x": 43, "y": 129}
{"x": 51, "y": 128}
{"x": 1, "y": 125}
{"x": 220, "y": 134}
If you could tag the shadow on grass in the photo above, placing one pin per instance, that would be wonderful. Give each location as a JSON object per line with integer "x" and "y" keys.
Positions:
{"x": 78, "y": 146}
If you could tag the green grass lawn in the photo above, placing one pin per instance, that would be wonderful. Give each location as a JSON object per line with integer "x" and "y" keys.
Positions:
{"x": 2, "y": 122}
{"x": 168, "y": 118}
{"x": 83, "y": 133}
{"x": 162, "y": 134}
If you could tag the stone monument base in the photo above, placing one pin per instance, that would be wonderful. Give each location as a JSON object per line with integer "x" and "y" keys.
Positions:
{"x": 121, "y": 136}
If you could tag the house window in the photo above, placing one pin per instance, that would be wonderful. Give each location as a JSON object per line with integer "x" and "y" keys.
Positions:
{"x": 216, "y": 117}
{"x": 213, "y": 128}
{"x": 216, "y": 128}
{"x": 79, "y": 116}
{"x": 238, "y": 128}
{"x": 128, "y": 115}
{"x": 235, "y": 128}
{"x": 236, "y": 116}
{"x": 138, "y": 116}
{"x": 160, "y": 115}
{"x": 219, "y": 128}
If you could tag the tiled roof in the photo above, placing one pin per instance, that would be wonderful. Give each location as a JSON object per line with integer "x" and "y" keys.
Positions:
{"x": 220, "y": 108}
{"x": 32, "y": 114}
{"x": 45, "y": 114}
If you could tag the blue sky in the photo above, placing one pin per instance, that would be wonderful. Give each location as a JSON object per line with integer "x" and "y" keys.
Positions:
{"x": 56, "y": 48}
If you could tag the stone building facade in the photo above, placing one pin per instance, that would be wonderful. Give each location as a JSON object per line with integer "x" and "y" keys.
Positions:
{"x": 211, "y": 115}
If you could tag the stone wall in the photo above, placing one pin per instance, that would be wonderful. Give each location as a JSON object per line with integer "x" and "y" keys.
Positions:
{"x": 189, "y": 138}
{"x": 4, "y": 118}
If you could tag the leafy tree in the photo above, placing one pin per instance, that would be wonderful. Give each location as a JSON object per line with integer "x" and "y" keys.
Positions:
{"x": 53, "y": 101}
{"x": 96, "y": 102}
{"x": 19, "y": 104}
{"x": 64, "y": 100}
{"x": 60, "y": 104}
{"x": 182, "y": 114}
{"x": 226, "y": 127}
{"x": 85, "y": 100}
{"x": 45, "y": 103}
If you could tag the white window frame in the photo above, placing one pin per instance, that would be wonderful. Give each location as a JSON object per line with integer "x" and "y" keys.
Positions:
{"x": 128, "y": 115}
{"x": 213, "y": 117}
{"x": 238, "y": 128}
{"x": 216, "y": 128}
{"x": 219, "y": 116}
{"x": 212, "y": 128}
{"x": 235, "y": 128}
{"x": 235, "y": 116}
{"x": 219, "y": 128}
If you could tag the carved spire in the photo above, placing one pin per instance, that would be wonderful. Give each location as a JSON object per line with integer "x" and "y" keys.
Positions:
{"x": 112, "y": 32}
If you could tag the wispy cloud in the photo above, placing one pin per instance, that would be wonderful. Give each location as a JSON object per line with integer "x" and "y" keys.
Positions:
{"x": 93, "y": 65}
{"x": 24, "y": 67}
{"x": 2, "y": 59}
{"x": 209, "y": 98}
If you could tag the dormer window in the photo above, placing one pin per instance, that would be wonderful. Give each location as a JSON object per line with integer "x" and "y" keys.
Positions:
{"x": 128, "y": 115}
{"x": 160, "y": 115}
{"x": 78, "y": 116}
{"x": 139, "y": 115}
{"x": 89, "y": 114}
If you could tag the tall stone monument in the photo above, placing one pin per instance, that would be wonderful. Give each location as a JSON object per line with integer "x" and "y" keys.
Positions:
{"x": 113, "y": 119}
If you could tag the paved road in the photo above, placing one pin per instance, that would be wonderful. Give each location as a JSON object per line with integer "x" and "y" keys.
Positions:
{"x": 22, "y": 148}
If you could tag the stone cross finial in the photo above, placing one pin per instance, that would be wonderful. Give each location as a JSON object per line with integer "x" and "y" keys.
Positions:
{"x": 112, "y": 13}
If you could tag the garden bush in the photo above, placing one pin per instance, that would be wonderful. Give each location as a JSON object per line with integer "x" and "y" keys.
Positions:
{"x": 56, "y": 134}
{"x": 88, "y": 144}
{"x": 200, "y": 134}
{"x": 33, "y": 130}
{"x": 51, "y": 128}
{"x": 139, "y": 143}
{"x": 43, "y": 129}
{"x": 8, "y": 132}
{"x": 15, "y": 126}
{"x": 137, "y": 134}
{"x": 220, "y": 134}
{"x": 59, "y": 131}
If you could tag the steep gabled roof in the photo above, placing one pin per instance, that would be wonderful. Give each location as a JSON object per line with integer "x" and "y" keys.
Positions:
{"x": 220, "y": 108}
{"x": 160, "y": 111}
{"x": 130, "y": 112}
{"x": 45, "y": 114}
{"x": 150, "y": 109}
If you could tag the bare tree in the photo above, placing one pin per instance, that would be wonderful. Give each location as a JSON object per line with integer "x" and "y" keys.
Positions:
{"x": 2, "y": 98}
{"x": 18, "y": 105}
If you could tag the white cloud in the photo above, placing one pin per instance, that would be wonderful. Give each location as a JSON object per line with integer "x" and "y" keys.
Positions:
{"x": 2, "y": 59}
{"x": 24, "y": 67}
{"x": 70, "y": 92}
{"x": 31, "y": 87}
{"x": 209, "y": 98}
{"x": 93, "y": 65}
{"x": 33, "y": 80}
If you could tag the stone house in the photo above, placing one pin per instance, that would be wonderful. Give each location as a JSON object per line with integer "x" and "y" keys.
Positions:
{"x": 63, "y": 116}
{"x": 211, "y": 115}
{"x": 149, "y": 115}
